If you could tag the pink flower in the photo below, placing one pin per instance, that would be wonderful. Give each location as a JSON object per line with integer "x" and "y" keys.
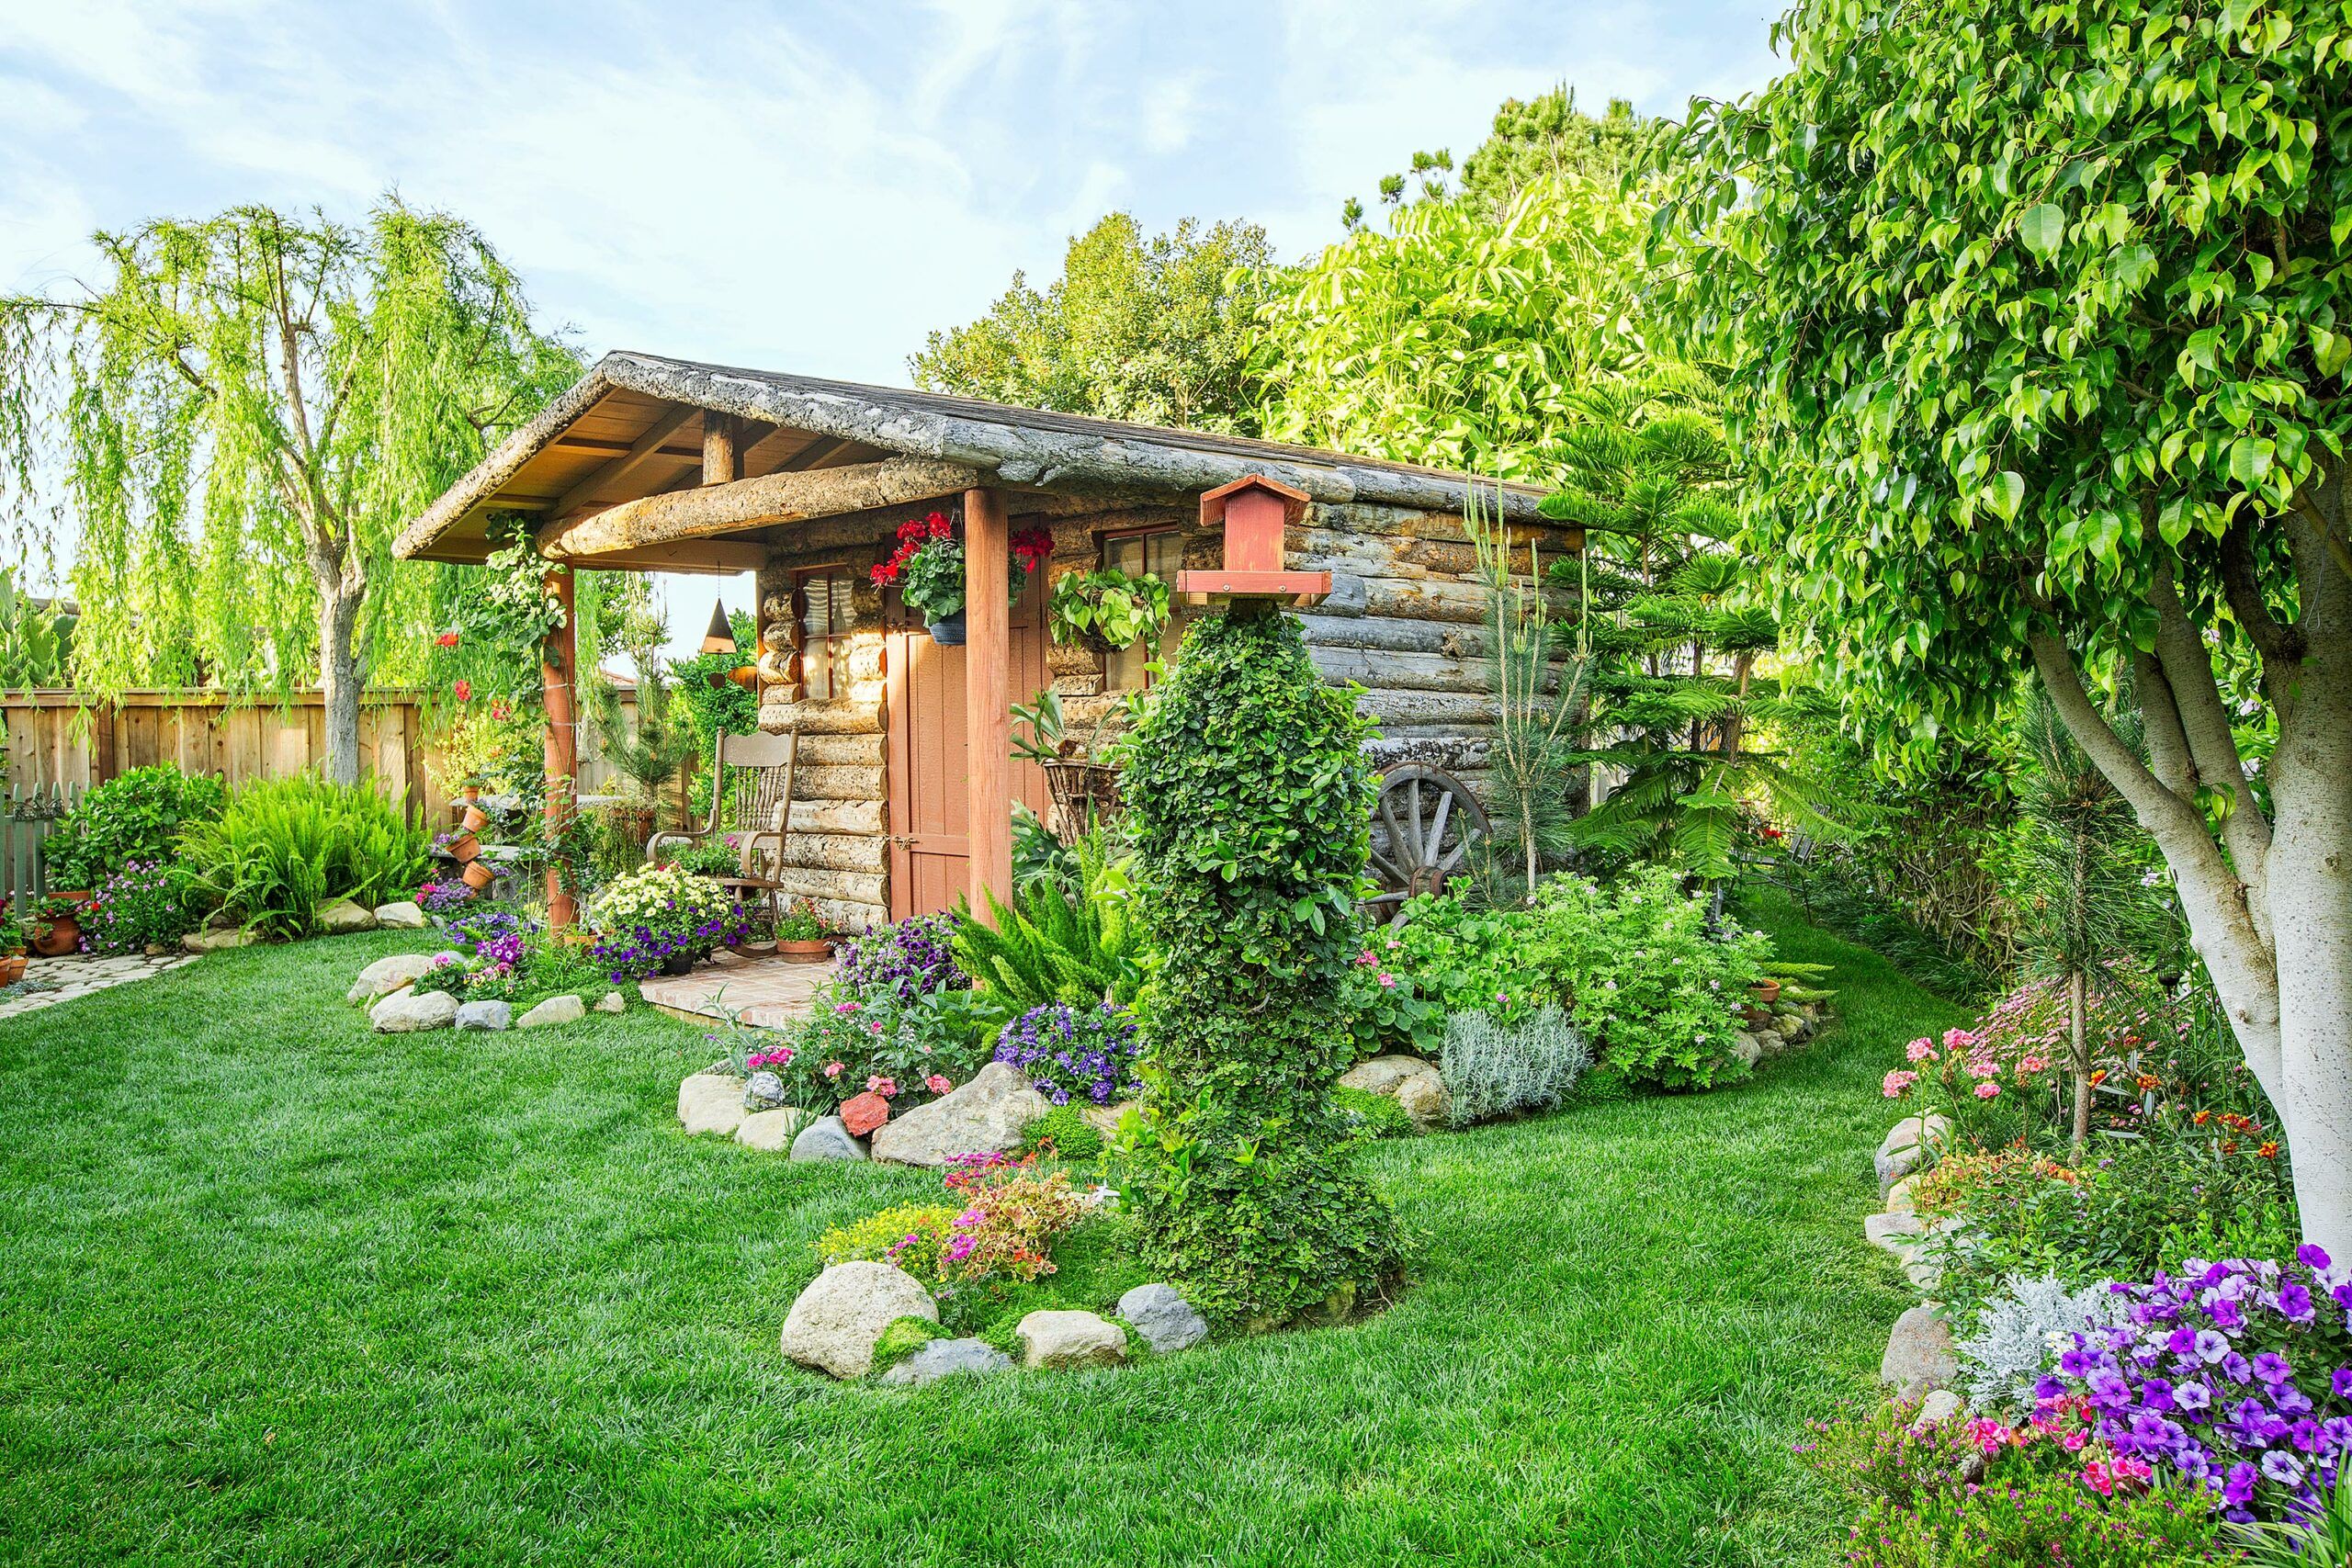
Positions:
{"x": 970, "y": 1217}
{"x": 1388, "y": 982}
{"x": 1894, "y": 1083}
{"x": 1919, "y": 1050}
{"x": 780, "y": 1057}
{"x": 755, "y": 1060}
{"x": 1502, "y": 1000}
{"x": 1988, "y": 1090}
{"x": 884, "y": 1087}
{"x": 833, "y": 1069}
{"x": 1365, "y": 959}
{"x": 844, "y": 1007}
{"x": 936, "y": 1084}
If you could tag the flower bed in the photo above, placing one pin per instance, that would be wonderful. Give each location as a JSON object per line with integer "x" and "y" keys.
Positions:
{"x": 661, "y": 916}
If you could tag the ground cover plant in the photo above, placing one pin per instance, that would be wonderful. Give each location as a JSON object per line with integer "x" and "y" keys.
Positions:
{"x": 496, "y": 1292}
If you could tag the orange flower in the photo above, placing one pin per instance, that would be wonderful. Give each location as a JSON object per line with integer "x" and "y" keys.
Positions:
{"x": 2149, "y": 1081}
{"x": 2269, "y": 1150}
{"x": 2099, "y": 1076}
{"x": 2202, "y": 1117}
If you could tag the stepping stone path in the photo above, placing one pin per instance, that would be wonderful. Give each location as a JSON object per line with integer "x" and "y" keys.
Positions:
{"x": 409, "y": 1012}
{"x": 1165, "y": 1320}
{"x": 1055, "y": 1340}
{"x": 986, "y": 1115}
{"x": 834, "y": 1323}
{"x": 566, "y": 1009}
{"x": 81, "y": 974}
{"x": 948, "y": 1358}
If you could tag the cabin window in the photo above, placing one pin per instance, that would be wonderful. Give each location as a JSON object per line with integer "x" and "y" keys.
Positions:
{"x": 1160, "y": 552}
{"x": 822, "y": 604}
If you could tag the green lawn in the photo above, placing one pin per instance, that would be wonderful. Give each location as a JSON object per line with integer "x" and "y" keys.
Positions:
{"x": 276, "y": 1290}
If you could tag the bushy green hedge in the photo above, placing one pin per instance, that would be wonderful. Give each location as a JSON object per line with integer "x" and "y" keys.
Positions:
{"x": 1250, "y": 804}
{"x": 138, "y": 816}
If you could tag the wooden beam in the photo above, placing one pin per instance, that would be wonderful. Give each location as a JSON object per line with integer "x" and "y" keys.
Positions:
{"x": 710, "y": 511}
{"x": 722, "y": 452}
{"x": 722, "y": 557}
{"x": 988, "y": 697}
{"x": 557, "y": 692}
{"x": 644, "y": 449}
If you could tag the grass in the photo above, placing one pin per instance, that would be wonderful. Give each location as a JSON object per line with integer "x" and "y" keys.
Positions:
{"x": 274, "y": 1289}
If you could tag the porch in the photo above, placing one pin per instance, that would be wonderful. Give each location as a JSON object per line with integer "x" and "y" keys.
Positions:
{"x": 761, "y": 991}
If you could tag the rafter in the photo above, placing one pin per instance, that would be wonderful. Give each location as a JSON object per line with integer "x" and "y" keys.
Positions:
{"x": 645, "y": 448}
{"x": 709, "y": 512}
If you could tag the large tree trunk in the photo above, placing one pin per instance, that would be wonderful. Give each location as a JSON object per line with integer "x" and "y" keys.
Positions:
{"x": 340, "y": 677}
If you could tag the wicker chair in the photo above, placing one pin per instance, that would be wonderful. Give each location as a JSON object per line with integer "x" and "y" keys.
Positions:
{"x": 762, "y": 766}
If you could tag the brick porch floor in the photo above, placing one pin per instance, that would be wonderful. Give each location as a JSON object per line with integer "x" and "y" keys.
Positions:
{"x": 766, "y": 991}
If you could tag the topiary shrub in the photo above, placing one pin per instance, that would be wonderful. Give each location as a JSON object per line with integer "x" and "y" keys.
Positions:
{"x": 1494, "y": 1069}
{"x": 1250, "y": 808}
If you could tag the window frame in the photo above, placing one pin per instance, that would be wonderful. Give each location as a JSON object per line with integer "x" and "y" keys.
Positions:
{"x": 801, "y": 640}
{"x": 1177, "y": 619}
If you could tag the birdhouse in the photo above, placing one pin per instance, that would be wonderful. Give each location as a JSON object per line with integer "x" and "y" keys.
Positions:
{"x": 1253, "y": 512}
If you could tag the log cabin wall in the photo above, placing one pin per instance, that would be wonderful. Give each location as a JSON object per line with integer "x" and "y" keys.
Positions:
{"x": 1404, "y": 620}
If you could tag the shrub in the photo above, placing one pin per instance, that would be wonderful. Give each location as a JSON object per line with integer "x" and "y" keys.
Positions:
{"x": 722, "y": 856}
{"x": 1493, "y": 1069}
{"x": 1363, "y": 1114}
{"x": 2018, "y": 1335}
{"x": 2236, "y": 1375}
{"x": 657, "y": 913}
{"x": 1656, "y": 990}
{"x": 1251, "y": 810}
{"x": 281, "y": 848}
{"x": 139, "y": 815}
{"x": 1444, "y": 957}
{"x": 1086, "y": 1053}
{"x": 1065, "y": 1133}
{"x": 145, "y": 903}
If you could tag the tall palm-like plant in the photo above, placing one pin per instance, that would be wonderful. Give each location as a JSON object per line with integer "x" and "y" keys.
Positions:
{"x": 2086, "y": 904}
{"x": 1540, "y": 700}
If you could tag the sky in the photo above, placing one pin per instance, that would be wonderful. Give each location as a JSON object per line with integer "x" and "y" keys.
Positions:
{"x": 809, "y": 187}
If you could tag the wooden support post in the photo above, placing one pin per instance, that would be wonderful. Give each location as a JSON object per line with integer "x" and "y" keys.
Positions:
{"x": 988, "y": 697}
{"x": 555, "y": 689}
{"x": 722, "y": 450}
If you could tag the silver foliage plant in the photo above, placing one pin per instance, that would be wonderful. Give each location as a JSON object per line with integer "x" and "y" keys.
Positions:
{"x": 2021, "y": 1335}
{"x": 1495, "y": 1070}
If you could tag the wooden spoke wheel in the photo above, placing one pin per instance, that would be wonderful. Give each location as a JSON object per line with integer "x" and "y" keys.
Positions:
{"x": 1423, "y": 827}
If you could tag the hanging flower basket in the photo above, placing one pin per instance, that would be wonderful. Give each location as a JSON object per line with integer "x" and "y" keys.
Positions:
{"x": 949, "y": 630}
{"x": 928, "y": 568}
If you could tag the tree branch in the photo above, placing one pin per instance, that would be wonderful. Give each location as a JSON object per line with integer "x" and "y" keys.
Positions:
{"x": 2278, "y": 644}
{"x": 2197, "y": 695}
{"x": 2167, "y": 744}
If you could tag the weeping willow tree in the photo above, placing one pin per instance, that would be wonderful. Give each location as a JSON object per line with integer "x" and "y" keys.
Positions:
{"x": 238, "y": 416}
{"x": 1665, "y": 604}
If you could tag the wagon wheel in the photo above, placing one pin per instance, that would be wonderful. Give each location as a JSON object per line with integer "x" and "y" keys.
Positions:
{"x": 1422, "y": 827}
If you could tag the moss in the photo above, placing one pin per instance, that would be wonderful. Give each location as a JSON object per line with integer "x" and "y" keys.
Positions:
{"x": 901, "y": 1337}
{"x": 1067, "y": 1130}
{"x": 1371, "y": 1115}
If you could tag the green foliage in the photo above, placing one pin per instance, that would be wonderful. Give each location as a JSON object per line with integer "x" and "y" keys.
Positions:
{"x": 1066, "y": 1131}
{"x": 280, "y": 848}
{"x": 1361, "y": 1114}
{"x": 36, "y": 638}
{"x": 910, "y": 1236}
{"x": 2084, "y": 906}
{"x": 1531, "y": 140}
{"x": 1494, "y": 1069}
{"x": 244, "y": 410}
{"x": 1446, "y": 955}
{"x": 900, "y": 1339}
{"x": 1155, "y": 330}
{"x": 1251, "y": 800}
{"x": 1540, "y": 707}
{"x": 1108, "y": 609}
{"x": 1081, "y": 948}
{"x": 136, "y": 816}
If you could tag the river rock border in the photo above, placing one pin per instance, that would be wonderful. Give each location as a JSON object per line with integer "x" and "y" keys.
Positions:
{"x": 1920, "y": 1362}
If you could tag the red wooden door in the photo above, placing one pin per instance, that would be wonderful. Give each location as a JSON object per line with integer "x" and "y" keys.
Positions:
{"x": 930, "y": 854}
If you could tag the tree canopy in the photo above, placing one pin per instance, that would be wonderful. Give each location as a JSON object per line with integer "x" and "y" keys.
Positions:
{"x": 1151, "y": 330}
{"x": 2035, "y": 319}
{"x": 243, "y": 410}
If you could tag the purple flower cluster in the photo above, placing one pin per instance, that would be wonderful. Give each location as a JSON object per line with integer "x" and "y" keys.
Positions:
{"x": 1067, "y": 1050}
{"x": 475, "y": 933}
{"x": 444, "y": 898}
{"x": 912, "y": 959}
{"x": 2237, "y": 1374}
{"x": 642, "y": 951}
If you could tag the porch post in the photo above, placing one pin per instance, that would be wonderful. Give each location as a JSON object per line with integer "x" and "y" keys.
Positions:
{"x": 988, "y": 717}
{"x": 562, "y": 753}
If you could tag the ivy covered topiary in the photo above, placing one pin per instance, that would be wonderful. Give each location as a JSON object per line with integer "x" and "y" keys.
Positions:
{"x": 1250, "y": 804}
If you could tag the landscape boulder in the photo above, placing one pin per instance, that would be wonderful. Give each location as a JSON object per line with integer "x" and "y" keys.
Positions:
{"x": 488, "y": 1014}
{"x": 386, "y": 974}
{"x": 407, "y": 1012}
{"x": 1165, "y": 1320}
{"x": 1898, "y": 1232}
{"x": 763, "y": 1090}
{"x": 861, "y": 1113}
{"x": 1415, "y": 1085}
{"x": 1055, "y": 1340}
{"x": 711, "y": 1103}
{"x": 948, "y": 1358}
{"x": 1104, "y": 1119}
{"x": 986, "y": 1115}
{"x": 215, "y": 940}
{"x": 565, "y": 1008}
{"x": 1920, "y": 1355}
{"x": 1942, "y": 1405}
{"x": 612, "y": 1001}
{"x": 827, "y": 1138}
{"x": 834, "y": 1323}
{"x": 1908, "y": 1146}
{"x": 403, "y": 915}
{"x": 770, "y": 1131}
{"x": 342, "y": 915}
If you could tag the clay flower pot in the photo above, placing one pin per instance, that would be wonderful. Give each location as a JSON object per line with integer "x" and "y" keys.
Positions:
{"x": 815, "y": 952}
{"x": 464, "y": 847}
{"x": 1767, "y": 991}
{"x": 11, "y": 967}
{"x": 470, "y": 793}
{"x": 478, "y": 874}
{"x": 56, "y": 938}
{"x": 476, "y": 819}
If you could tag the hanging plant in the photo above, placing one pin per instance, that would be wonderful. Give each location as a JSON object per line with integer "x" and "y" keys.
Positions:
{"x": 1108, "y": 610}
{"x": 928, "y": 568}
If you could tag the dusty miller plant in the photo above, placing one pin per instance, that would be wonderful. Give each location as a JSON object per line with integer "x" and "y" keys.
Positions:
{"x": 2019, "y": 1335}
{"x": 1493, "y": 1069}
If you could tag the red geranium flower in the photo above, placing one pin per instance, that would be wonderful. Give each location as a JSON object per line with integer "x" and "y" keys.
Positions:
{"x": 447, "y": 640}
{"x": 464, "y": 690}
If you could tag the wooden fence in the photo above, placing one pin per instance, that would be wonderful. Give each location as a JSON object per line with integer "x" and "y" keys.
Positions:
{"x": 25, "y": 818}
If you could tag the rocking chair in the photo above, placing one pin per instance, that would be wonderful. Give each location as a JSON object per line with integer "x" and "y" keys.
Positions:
{"x": 760, "y": 766}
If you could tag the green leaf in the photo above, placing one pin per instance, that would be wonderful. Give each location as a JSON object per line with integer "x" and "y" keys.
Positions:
{"x": 2043, "y": 229}
{"x": 2006, "y": 494}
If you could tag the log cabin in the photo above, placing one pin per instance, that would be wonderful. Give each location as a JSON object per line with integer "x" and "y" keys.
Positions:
{"x": 906, "y": 773}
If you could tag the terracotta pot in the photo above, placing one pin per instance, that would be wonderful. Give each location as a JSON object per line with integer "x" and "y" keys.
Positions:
{"x": 757, "y": 945}
{"x": 1767, "y": 991}
{"x": 12, "y": 969}
{"x": 59, "y": 937}
{"x": 470, "y": 793}
{"x": 476, "y": 819}
{"x": 805, "y": 952}
{"x": 480, "y": 874}
{"x": 465, "y": 847}
{"x": 76, "y": 896}
{"x": 1754, "y": 1016}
